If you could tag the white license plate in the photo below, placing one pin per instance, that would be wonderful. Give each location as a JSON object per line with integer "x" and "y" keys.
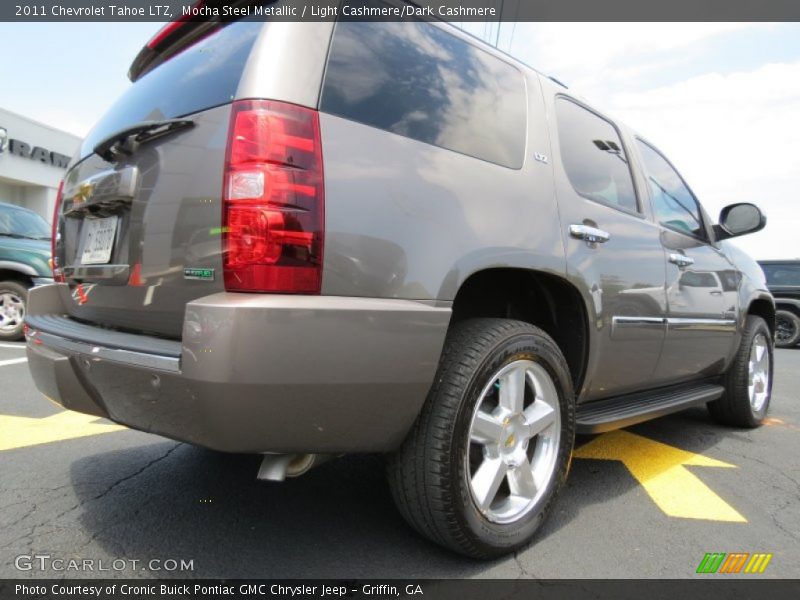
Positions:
{"x": 98, "y": 240}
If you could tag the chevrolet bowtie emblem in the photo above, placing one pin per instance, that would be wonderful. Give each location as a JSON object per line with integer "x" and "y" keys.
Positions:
{"x": 83, "y": 193}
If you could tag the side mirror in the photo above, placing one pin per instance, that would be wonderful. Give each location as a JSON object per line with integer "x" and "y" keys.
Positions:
{"x": 739, "y": 219}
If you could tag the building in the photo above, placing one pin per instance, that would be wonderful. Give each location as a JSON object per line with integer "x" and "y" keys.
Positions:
{"x": 33, "y": 159}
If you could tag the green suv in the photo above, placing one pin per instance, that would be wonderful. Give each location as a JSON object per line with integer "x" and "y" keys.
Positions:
{"x": 24, "y": 263}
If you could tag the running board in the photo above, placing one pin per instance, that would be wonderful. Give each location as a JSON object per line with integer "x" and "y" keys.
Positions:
{"x": 605, "y": 415}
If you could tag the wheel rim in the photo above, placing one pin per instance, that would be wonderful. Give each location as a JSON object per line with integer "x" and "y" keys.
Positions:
{"x": 758, "y": 372}
{"x": 513, "y": 441}
{"x": 784, "y": 329}
{"x": 12, "y": 311}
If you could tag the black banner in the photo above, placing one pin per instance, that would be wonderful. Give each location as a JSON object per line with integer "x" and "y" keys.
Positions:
{"x": 396, "y": 10}
{"x": 473, "y": 589}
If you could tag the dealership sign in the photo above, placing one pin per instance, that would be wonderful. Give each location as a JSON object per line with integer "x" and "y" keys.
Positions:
{"x": 37, "y": 153}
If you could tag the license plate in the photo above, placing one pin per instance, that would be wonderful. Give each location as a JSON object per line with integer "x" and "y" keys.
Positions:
{"x": 98, "y": 240}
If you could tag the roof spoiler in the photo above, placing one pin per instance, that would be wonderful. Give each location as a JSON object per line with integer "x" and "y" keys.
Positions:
{"x": 186, "y": 30}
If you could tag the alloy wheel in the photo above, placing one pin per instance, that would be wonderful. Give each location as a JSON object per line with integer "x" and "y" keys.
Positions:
{"x": 758, "y": 372}
{"x": 513, "y": 441}
{"x": 12, "y": 311}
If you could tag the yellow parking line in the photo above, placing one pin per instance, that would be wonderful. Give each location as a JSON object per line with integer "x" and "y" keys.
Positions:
{"x": 20, "y": 432}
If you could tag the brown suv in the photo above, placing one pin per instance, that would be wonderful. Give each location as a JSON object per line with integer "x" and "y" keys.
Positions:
{"x": 308, "y": 239}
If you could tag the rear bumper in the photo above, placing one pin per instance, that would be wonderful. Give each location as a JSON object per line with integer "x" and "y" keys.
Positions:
{"x": 253, "y": 373}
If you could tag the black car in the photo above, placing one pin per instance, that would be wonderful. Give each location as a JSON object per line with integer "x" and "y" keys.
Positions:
{"x": 783, "y": 279}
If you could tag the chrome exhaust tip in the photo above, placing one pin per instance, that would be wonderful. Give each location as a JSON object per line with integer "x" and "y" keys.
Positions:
{"x": 277, "y": 467}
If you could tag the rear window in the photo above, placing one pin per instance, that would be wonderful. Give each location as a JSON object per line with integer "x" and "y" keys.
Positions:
{"x": 204, "y": 75}
{"x": 419, "y": 81}
{"x": 782, "y": 274}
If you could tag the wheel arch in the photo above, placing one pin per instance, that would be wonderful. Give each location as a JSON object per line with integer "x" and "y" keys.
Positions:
{"x": 13, "y": 274}
{"x": 543, "y": 299}
{"x": 764, "y": 307}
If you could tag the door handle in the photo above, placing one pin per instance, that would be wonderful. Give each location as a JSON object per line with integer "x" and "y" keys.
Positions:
{"x": 680, "y": 260}
{"x": 592, "y": 235}
{"x": 715, "y": 293}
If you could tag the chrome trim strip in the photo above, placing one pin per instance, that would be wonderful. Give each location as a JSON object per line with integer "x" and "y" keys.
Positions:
{"x": 690, "y": 321}
{"x": 638, "y": 320}
{"x": 684, "y": 324}
{"x": 670, "y": 321}
{"x": 128, "y": 357}
{"x": 624, "y": 327}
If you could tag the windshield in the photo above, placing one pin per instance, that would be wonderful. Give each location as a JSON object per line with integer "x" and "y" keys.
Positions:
{"x": 16, "y": 222}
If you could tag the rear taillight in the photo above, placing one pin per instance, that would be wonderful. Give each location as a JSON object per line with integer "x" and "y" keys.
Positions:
{"x": 57, "y": 273}
{"x": 273, "y": 199}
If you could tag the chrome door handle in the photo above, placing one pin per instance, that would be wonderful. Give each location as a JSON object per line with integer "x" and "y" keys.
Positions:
{"x": 592, "y": 235}
{"x": 680, "y": 260}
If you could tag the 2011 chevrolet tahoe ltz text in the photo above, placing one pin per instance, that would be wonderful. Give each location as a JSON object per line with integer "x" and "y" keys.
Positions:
{"x": 308, "y": 239}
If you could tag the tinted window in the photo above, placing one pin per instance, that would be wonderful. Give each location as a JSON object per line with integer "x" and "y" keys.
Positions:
{"x": 674, "y": 204}
{"x": 22, "y": 223}
{"x": 204, "y": 75}
{"x": 779, "y": 275}
{"x": 593, "y": 156}
{"x": 419, "y": 81}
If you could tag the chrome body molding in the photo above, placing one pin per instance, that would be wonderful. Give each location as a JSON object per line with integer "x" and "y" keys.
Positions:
{"x": 637, "y": 321}
{"x": 673, "y": 322}
{"x": 701, "y": 324}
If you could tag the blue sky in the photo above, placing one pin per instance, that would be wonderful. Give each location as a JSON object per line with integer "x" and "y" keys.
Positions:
{"x": 721, "y": 99}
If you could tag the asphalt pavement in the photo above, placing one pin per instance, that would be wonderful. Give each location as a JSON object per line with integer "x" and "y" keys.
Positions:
{"x": 648, "y": 502}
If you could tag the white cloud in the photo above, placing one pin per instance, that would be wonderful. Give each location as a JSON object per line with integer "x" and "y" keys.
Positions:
{"x": 734, "y": 135}
{"x": 588, "y": 45}
{"x": 581, "y": 53}
{"x": 735, "y": 138}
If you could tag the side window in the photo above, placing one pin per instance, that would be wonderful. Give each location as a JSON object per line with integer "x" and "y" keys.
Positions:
{"x": 782, "y": 274}
{"x": 593, "y": 156}
{"x": 420, "y": 81}
{"x": 674, "y": 204}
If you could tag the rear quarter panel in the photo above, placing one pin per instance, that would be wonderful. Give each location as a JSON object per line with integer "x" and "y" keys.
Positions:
{"x": 405, "y": 219}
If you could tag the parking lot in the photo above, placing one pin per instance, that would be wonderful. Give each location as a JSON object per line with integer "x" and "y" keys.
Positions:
{"x": 650, "y": 501}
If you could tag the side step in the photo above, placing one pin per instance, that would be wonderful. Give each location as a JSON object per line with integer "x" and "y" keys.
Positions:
{"x": 605, "y": 415}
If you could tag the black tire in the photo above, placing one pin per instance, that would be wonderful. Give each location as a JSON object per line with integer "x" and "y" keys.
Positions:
{"x": 734, "y": 408}
{"x": 428, "y": 478}
{"x": 787, "y": 329}
{"x": 12, "y": 289}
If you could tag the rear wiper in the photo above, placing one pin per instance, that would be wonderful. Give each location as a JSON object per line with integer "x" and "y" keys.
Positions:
{"x": 125, "y": 141}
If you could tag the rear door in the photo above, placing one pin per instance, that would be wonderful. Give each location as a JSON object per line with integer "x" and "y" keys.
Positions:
{"x": 702, "y": 284}
{"x": 140, "y": 232}
{"x": 614, "y": 254}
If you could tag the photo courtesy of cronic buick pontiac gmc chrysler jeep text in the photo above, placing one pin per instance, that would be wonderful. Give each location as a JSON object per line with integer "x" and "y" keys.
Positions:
{"x": 308, "y": 239}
